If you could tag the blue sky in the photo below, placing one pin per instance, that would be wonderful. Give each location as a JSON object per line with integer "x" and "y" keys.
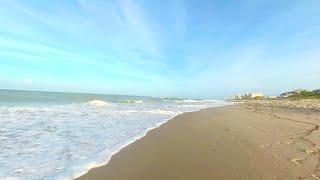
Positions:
{"x": 205, "y": 49}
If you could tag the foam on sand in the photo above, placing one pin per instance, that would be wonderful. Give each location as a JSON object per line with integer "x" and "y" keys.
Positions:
{"x": 85, "y": 135}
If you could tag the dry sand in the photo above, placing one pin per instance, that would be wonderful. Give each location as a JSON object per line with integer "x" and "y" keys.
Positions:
{"x": 244, "y": 141}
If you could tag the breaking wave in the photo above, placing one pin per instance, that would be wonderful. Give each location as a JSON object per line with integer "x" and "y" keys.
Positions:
{"x": 41, "y": 138}
{"x": 196, "y": 101}
{"x": 132, "y": 101}
{"x": 98, "y": 103}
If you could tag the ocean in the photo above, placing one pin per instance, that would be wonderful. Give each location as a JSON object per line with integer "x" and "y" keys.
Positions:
{"x": 50, "y": 135}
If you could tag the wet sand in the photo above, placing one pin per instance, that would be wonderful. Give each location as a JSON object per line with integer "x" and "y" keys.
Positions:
{"x": 244, "y": 141}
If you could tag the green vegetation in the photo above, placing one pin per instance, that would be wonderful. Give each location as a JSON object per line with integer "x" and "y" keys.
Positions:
{"x": 306, "y": 95}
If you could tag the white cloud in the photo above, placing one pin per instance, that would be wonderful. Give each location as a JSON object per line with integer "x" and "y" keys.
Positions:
{"x": 138, "y": 22}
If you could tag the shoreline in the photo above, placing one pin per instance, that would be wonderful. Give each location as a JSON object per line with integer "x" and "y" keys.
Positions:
{"x": 241, "y": 146}
{"x": 94, "y": 165}
{"x": 117, "y": 151}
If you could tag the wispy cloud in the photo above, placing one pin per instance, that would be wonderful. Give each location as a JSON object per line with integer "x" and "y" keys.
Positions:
{"x": 138, "y": 21}
{"x": 180, "y": 47}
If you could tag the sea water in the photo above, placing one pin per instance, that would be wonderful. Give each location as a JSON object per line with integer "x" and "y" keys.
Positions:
{"x": 46, "y": 135}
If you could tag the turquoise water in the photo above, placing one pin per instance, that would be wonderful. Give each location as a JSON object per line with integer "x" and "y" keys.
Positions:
{"x": 17, "y": 96}
{"x": 45, "y": 135}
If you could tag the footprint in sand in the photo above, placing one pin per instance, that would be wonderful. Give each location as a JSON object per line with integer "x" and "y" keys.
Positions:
{"x": 316, "y": 176}
{"x": 214, "y": 145}
{"x": 311, "y": 151}
{"x": 297, "y": 160}
{"x": 289, "y": 142}
{"x": 264, "y": 145}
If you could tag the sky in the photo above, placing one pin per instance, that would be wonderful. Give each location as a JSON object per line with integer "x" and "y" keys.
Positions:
{"x": 175, "y": 48}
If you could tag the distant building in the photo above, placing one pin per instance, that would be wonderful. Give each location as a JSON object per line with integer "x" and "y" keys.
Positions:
{"x": 317, "y": 91}
{"x": 291, "y": 93}
{"x": 255, "y": 95}
{"x": 237, "y": 97}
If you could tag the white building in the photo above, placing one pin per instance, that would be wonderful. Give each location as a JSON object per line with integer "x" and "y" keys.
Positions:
{"x": 254, "y": 95}
{"x": 291, "y": 93}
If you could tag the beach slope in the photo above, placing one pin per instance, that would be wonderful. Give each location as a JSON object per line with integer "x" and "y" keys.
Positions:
{"x": 243, "y": 141}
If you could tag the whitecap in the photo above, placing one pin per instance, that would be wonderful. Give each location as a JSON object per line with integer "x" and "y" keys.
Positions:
{"x": 81, "y": 134}
{"x": 98, "y": 103}
{"x": 132, "y": 101}
{"x": 187, "y": 101}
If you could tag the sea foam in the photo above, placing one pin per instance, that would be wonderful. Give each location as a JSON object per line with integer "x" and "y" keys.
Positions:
{"x": 98, "y": 103}
{"x": 63, "y": 141}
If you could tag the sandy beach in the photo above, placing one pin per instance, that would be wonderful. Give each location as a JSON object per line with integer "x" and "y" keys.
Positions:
{"x": 159, "y": 90}
{"x": 252, "y": 140}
